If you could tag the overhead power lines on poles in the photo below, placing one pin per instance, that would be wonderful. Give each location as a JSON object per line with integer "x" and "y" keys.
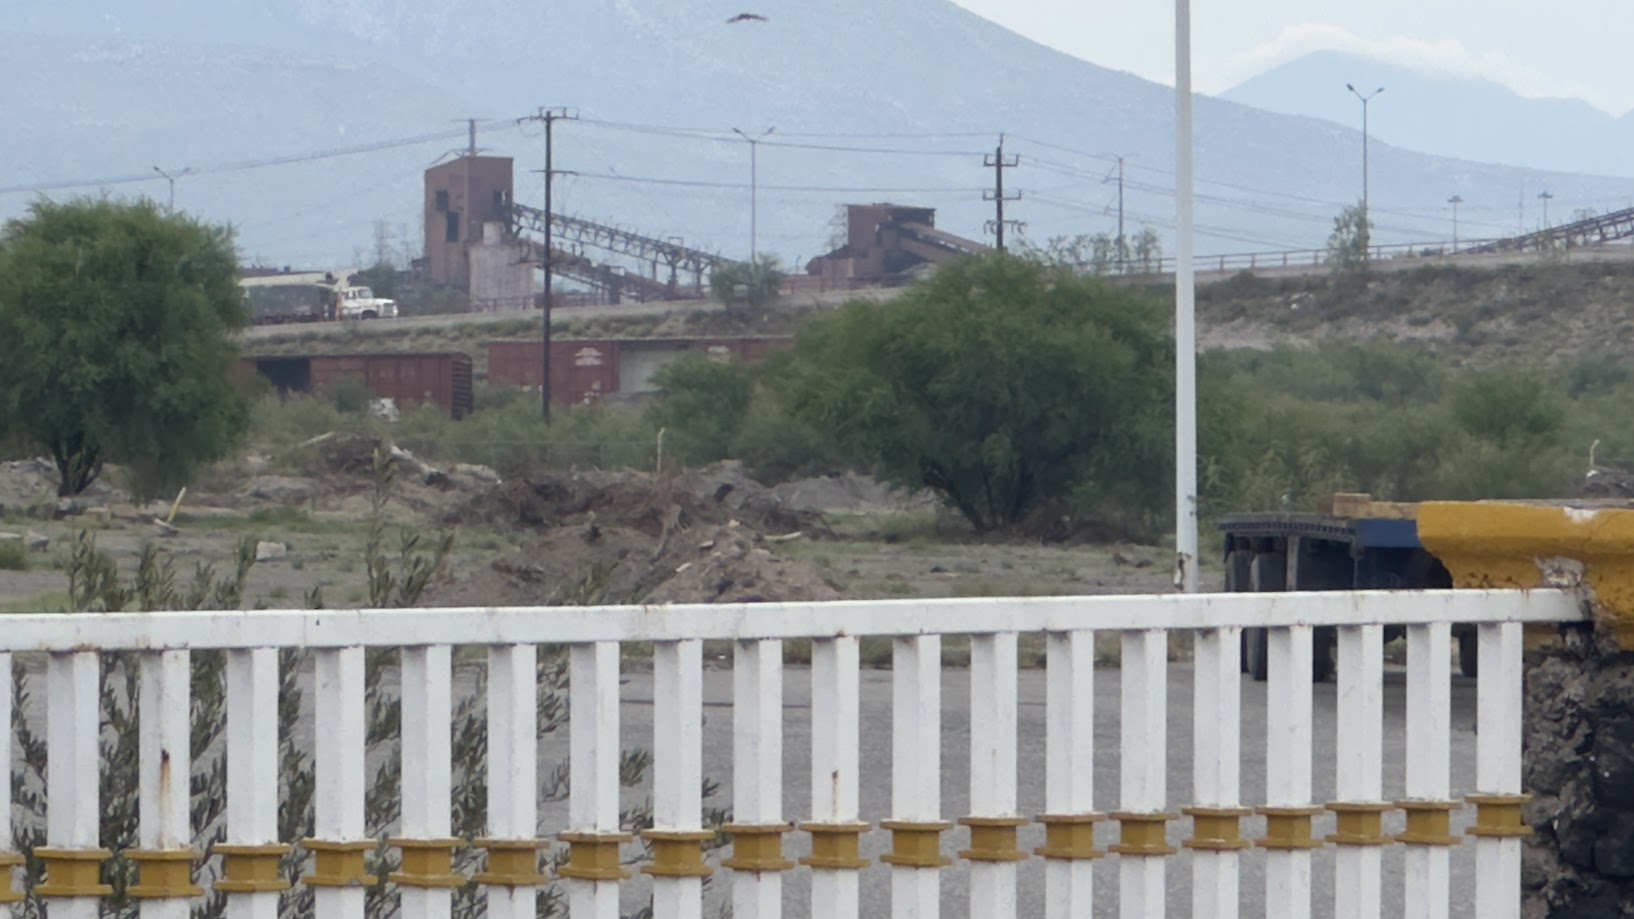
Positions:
{"x": 549, "y": 116}
{"x": 998, "y": 163}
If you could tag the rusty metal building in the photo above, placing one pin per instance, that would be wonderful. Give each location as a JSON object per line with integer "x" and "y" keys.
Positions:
{"x": 889, "y": 243}
{"x": 461, "y": 196}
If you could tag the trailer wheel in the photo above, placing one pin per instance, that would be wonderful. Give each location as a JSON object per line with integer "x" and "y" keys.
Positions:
{"x": 1324, "y": 648}
{"x": 1238, "y": 580}
{"x": 1255, "y": 653}
{"x": 1469, "y": 652}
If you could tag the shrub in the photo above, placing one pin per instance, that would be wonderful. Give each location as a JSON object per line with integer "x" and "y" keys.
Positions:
{"x": 13, "y": 556}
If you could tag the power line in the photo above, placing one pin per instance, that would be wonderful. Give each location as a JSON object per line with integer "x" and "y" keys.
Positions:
{"x": 706, "y": 134}
{"x": 699, "y": 183}
{"x": 245, "y": 165}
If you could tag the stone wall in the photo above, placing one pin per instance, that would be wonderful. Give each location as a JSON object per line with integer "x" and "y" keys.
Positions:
{"x": 1579, "y": 767}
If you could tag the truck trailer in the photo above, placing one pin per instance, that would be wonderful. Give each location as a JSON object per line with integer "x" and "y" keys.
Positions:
{"x": 1351, "y": 543}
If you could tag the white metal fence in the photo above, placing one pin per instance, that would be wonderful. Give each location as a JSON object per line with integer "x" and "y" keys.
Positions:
{"x": 1140, "y": 833}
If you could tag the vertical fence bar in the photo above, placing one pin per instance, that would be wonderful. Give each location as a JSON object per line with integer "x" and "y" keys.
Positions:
{"x": 835, "y": 830}
{"x": 164, "y": 852}
{"x": 1216, "y": 751}
{"x": 1069, "y": 775}
{"x": 1359, "y": 771}
{"x": 73, "y": 799}
{"x": 338, "y": 845}
{"x": 1288, "y": 808}
{"x": 1427, "y": 892}
{"x": 9, "y": 857}
{"x": 677, "y": 836}
{"x": 916, "y": 778}
{"x": 252, "y": 852}
{"x": 993, "y": 821}
{"x": 512, "y": 876}
{"x": 1142, "y": 843}
{"x": 593, "y": 835}
{"x": 757, "y": 780}
{"x": 427, "y": 877}
{"x": 1499, "y": 826}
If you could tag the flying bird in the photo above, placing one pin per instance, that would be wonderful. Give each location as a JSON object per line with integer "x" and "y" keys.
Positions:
{"x": 747, "y": 17}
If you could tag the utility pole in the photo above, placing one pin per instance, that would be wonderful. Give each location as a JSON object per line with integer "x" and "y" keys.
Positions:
{"x": 549, "y": 116}
{"x": 1455, "y": 200}
{"x": 1123, "y": 244}
{"x": 471, "y": 148}
{"x": 1544, "y": 196}
{"x": 754, "y": 193}
{"x": 999, "y": 163}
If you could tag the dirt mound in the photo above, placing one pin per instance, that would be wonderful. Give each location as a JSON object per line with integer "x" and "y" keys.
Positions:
{"x": 649, "y": 504}
{"x": 731, "y": 566}
{"x": 589, "y": 564}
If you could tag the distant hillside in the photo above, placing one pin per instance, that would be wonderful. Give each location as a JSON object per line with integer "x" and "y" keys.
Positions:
{"x": 1448, "y": 116}
{"x": 901, "y": 100}
{"x": 1538, "y": 315}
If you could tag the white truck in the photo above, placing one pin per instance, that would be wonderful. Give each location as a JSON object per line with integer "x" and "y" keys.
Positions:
{"x": 361, "y": 303}
{"x": 313, "y": 297}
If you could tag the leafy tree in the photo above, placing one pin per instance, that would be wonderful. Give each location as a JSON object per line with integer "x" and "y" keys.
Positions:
{"x": 1508, "y": 409}
{"x": 116, "y": 341}
{"x": 1352, "y": 237}
{"x": 1101, "y": 253}
{"x": 748, "y": 285}
{"x": 702, "y": 404}
{"x": 1148, "y": 250}
{"x": 1000, "y": 384}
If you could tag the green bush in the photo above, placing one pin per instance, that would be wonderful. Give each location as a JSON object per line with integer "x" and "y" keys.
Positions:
{"x": 13, "y": 556}
{"x": 701, "y": 405}
{"x": 351, "y": 395}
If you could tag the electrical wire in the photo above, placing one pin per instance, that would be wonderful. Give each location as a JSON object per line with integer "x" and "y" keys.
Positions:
{"x": 729, "y": 136}
{"x": 262, "y": 163}
{"x": 744, "y": 186}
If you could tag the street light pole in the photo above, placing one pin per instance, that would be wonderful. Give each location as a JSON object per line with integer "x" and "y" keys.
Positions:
{"x": 170, "y": 204}
{"x": 1185, "y": 306}
{"x": 1366, "y": 214}
{"x": 1455, "y": 200}
{"x": 754, "y": 186}
{"x": 1544, "y": 197}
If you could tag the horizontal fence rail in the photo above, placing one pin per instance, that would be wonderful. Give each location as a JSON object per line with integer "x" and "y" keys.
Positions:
{"x": 586, "y": 857}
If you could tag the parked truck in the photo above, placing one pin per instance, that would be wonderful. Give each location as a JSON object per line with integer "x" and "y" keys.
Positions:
{"x": 313, "y": 297}
{"x": 1351, "y": 543}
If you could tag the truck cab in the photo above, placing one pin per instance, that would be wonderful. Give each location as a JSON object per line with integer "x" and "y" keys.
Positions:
{"x": 361, "y": 303}
{"x": 1351, "y": 543}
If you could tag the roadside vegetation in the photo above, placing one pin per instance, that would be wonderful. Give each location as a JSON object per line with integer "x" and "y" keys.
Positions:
{"x": 1035, "y": 403}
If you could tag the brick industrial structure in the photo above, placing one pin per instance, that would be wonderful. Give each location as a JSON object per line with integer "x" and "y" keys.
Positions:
{"x": 461, "y": 196}
{"x": 889, "y": 243}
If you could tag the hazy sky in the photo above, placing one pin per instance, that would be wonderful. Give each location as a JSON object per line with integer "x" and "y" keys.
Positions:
{"x": 1576, "y": 48}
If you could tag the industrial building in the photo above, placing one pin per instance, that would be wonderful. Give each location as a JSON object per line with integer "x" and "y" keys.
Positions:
{"x": 889, "y": 244}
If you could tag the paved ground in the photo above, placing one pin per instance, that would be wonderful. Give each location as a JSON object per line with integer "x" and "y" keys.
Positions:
{"x": 875, "y": 792}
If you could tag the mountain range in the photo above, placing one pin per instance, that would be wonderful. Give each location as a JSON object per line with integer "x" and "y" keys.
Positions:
{"x": 869, "y": 102}
{"x": 1454, "y": 116}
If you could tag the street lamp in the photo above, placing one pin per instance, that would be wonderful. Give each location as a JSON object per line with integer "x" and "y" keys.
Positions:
{"x": 1366, "y": 220}
{"x": 1187, "y": 555}
{"x": 754, "y": 185}
{"x": 1544, "y": 197}
{"x": 1455, "y": 200}
{"x": 170, "y": 205}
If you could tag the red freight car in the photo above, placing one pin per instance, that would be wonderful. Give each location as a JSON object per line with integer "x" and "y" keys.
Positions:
{"x": 442, "y": 379}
